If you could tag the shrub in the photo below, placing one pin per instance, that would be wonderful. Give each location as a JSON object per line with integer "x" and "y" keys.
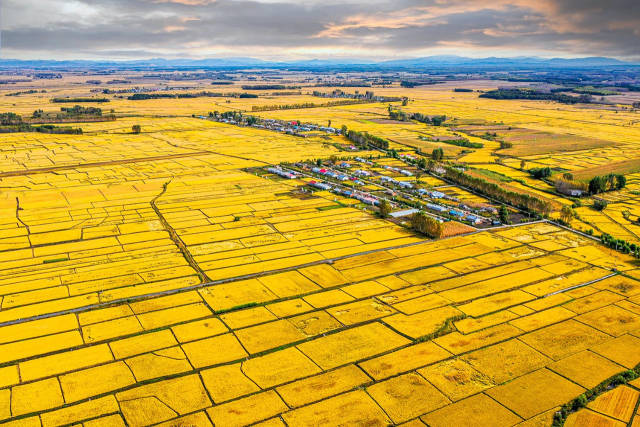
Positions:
{"x": 504, "y": 214}
{"x": 540, "y": 173}
{"x": 385, "y": 208}
{"x": 600, "y": 205}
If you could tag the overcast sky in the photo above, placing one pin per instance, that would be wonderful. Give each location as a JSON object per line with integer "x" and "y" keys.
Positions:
{"x": 300, "y": 29}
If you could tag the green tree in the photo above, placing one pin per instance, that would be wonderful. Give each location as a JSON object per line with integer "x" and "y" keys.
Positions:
{"x": 621, "y": 182}
{"x": 600, "y": 205}
{"x": 385, "y": 208}
{"x": 437, "y": 154}
{"x": 503, "y": 212}
{"x": 9, "y": 119}
{"x": 438, "y": 120}
{"x": 136, "y": 129}
{"x": 540, "y": 173}
{"x": 598, "y": 184}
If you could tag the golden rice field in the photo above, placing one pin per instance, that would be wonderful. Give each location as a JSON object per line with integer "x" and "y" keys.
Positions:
{"x": 156, "y": 279}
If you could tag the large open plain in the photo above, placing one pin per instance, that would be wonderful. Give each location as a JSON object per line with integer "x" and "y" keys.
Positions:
{"x": 168, "y": 277}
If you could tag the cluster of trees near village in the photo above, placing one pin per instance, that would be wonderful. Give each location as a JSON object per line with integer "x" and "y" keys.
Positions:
{"x": 364, "y": 139}
{"x": 536, "y": 95}
{"x": 403, "y": 116}
{"x": 495, "y": 191}
{"x": 12, "y": 123}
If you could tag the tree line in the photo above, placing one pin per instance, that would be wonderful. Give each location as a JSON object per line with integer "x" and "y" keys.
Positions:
{"x": 12, "y": 123}
{"x": 495, "y": 191}
{"x": 364, "y": 139}
{"x": 69, "y": 114}
{"x": 603, "y": 183}
{"x": 400, "y": 115}
{"x": 621, "y": 245}
{"x": 536, "y": 95}
{"x": 204, "y": 94}
{"x": 427, "y": 225}
{"x": 306, "y": 105}
{"x": 76, "y": 100}
{"x": 268, "y": 87}
{"x": 540, "y": 173}
{"x": 457, "y": 142}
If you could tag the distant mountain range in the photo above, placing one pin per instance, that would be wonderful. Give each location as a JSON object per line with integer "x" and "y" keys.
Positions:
{"x": 442, "y": 61}
{"x": 594, "y": 61}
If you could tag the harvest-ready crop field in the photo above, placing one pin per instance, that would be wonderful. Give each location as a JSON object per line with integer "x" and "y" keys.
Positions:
{"x": 177, "y": 276}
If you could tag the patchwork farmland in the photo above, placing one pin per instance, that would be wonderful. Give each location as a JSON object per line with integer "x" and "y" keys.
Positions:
{"x": 209, "y": 271}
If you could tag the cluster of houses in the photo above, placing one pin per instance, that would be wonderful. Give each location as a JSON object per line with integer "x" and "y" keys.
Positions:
{"x": 432, "y": 194}
{"x": 402, "y": 171}
{"x": 361, "y": 160}
{"x": 409, "y": 157}
{"x": 339, "y": 176}
{"x": 294, "y": 128}
{"x": 284, "y": 173}
{"x": 385, "y": 179}
{"x": 363, "y": 197}
{"x": 463, "y": 212}
{"x": 401, "y": 184}
{"x": 460, "y": 211}
{"x": 456, "y": 213}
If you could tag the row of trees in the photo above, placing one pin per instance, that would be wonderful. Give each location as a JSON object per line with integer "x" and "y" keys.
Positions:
{"x": 307, "y": 105}
{"x": 203, "y": 94}
{"x": 540, "y": 173}
{"x": 536, "y": 95}
{"x": 12, "y": 123}
{"x": 364, "y": 139}
{"x": 521, "y": 200}
{"x": 25, "y": 127}
{"x": 430, "y": 120}
{"x": 400, "y": 115}
{"x": 611, "y": 182}
{"x": 621, "y": 245}
{"x": 268, "y": 87}
{"x": 427, "y": 225}
{"x": 463, "y": 142}
{"x": 77, "y": 100}
{"x": 10, "y": 119}
{"x": 597, "y": 184}
{"x": 78, "y": 110}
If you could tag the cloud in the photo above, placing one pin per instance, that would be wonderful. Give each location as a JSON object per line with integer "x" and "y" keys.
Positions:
{"x": 290, "y": 28}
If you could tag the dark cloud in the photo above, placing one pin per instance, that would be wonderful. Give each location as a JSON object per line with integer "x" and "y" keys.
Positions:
{"x": 284, "y": 28}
